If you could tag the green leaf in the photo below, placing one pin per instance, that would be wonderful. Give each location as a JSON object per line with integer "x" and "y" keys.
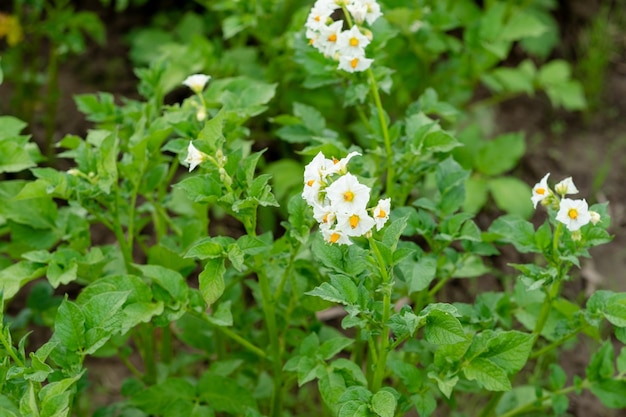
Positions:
{"x": 476, "y": 194}
{"x": 442, "y": 328}
{"x": 615, "y": 310}
{"x": 10, "y": 126}
{"x": 522, "y": 25}
{"x": 69, "y": 326}
{"x": 601, "y": 366}
{"x": 512, "y": 195}
{"x": 557, "y": 377}
{"x": 340, "y": 290}
{"x": 170, "y": 280}
{"x": 14, "y": 157}
{"x": 488, "y": 375}
{"x": 509, "y": 350}
{"x": 157, "y": 398}
{"x": 610, "y": 393}
{"x": 353, "y": 409}
{"x": 333, "y": 346}
{"x": 225, "y": 394}
{"x": 208, "y": 248}
{"x": 384, "y": 404}
{"x": 418, "y": 274}
{"x": 515, "y": 230}
{"x": 424, "y": 403}
{"x": 500, "y": 154}
{"x": 211, "y": 280}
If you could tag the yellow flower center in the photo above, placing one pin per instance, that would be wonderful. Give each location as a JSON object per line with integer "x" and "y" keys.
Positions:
{"x": 354, "y": 42}
{"x": 317, "y": 18}
{"x": 325, "y": 218}
{"x": 335, "y": 161}
{"x": 354, "y": 62}
{"x": 572, "y": 213}
{"x": 540, "y": 191}
{"x": 310, "y": 183}
{"x": 348, "y": 196}
{"x": 334, "y": 237}
{"x": 332, "y": 37}
{"x": 382, "y": 214}
{"x": 354, "y": 221}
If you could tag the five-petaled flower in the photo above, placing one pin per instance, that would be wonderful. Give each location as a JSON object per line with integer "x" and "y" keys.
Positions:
{"x": 574, "y": 214}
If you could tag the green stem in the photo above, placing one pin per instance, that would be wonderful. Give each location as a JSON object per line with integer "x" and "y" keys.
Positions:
{"x": 52, "y": 98}
{"x": 551, "y": 294}
{"x": 166, "y": 344}
{"x": 533, "y": 405}
{"x": 10, "y": 350}
{"x": 232, "y": 335}
{"x": 383, "y": 350}
{"x": 269, "y": 312}
{"x": 383, "y": 125}
{"x": 556, "y": 344}
{"x": 146, "y": 338}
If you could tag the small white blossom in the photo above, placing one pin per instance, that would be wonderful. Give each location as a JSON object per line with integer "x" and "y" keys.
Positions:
{"x": 354, "y": 62}
{"x": 335, "y": 236}
{"x": 352, "y": 42}
{"x": 566, "y": 187}
{"x": 381, "y": 212}
{"x": 540, "y": 190}
{"x": 340, "y": 166}
{"x": 197, "y": 82}
{"x": 327, "y": 42}
{"x": 319, "y": 15}
{"x": 347, "y": 194}
{"x": 573, "y": 213}
{"x": 194, "y": 157}
{"x": 368, "y": 10}
{"x": 355, "y": 224}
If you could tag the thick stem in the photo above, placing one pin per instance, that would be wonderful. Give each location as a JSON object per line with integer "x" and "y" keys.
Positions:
{"x": 269, "y": 311}
{"x": 383, "y": 349}
{"x": 10, "y": 350}
{"x": 383, "y": 126}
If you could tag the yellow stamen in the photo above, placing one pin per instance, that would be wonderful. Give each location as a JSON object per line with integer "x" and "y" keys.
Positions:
{"x": 348, "y": 196}
{"x": 311, "y": 41}
{"x": 572, "y": 213}
{"x": 354, "y": 221}
{"x": 325, "y": 218}
{"x": 540, "y": 191}
{"x": 354, "y": 42}
{"x": 332, "y": 37}
{"x": 317, "y": 18}
{"x": 335, "y": 161}
{"x": 382, "y": 214}
{"x": 354, "y": 62}
{"x": 310, "y": 183}
{"x": 334, "y": 237}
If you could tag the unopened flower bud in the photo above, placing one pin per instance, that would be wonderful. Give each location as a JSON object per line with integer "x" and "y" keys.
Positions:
{"x": 201, "y": 114}
{"x": 576, "y": 235}
{"x": 73, "y": 171}
{"x": 595, "y": 217}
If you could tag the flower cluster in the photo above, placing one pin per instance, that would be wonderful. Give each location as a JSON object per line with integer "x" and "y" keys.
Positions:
{"x": 339, "y": 200}
{"x": 574, "y": 214}
{"x": 329, "y": 37}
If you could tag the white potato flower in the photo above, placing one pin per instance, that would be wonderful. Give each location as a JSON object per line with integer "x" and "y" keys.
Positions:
{"x": 574, "y": 214}
{"x": 381, "y": 212}
{"x": 540, "y": 190}
{"x": 357, "y": 223}
{"x": 194, "y": 157}
{"x": 335, "y": 236}
{"x": 354, "y": 62}
{"x": 352, "y": 42}
{"x": 197, "y": 82}
{"x": 347, "y": 194}
{"x": 566, "y": 187}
